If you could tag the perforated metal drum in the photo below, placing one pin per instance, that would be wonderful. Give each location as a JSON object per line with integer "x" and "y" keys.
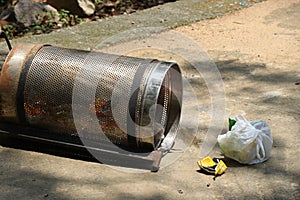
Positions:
{"x": 136, "y": 102}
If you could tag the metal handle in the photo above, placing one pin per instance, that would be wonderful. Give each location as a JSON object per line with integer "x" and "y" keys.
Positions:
{"x": 3, "y": 35}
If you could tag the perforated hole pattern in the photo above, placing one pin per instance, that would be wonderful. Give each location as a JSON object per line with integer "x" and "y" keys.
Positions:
{"x": 49, "y": 85}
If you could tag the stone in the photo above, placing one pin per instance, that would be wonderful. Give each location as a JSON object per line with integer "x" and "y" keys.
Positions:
{"x": 79, "y": 7}
{"x": 27, "y": 12}
{"x": 7, "y": 15}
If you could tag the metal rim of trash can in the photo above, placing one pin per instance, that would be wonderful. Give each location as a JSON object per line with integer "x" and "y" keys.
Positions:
{"x": 164, "y": 74}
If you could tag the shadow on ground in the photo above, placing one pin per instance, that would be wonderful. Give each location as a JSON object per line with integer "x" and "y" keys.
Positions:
{"x": 270, "y": 93}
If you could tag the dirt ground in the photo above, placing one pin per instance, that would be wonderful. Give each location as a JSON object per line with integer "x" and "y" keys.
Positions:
{"x": 257, "y": 52}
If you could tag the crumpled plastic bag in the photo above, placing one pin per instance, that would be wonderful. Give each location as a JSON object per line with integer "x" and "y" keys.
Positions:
{"x": 247, "y": 142}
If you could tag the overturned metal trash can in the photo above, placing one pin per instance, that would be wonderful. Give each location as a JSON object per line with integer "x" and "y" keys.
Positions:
{"x": 124, "y": 106}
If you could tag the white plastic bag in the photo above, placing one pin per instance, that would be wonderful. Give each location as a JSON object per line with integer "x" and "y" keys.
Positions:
{"x": 247, "y": 143}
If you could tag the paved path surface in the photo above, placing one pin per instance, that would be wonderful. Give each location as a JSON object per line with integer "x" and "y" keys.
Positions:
{"x": 257, "y": 51}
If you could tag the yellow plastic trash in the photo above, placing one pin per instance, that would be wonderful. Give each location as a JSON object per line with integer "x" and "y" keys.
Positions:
{"x": 221, "y": 167}
{"x": 211, "y": 166}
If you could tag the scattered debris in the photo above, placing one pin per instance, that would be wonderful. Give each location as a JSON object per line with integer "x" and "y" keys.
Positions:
{"x": 78, "y": 7}
{"x": 231, "y": 123}
{"x": 243, "y": 3}
{"x": 180, "y": 191}
{"x": 108, "y": 8}
{"x": 247, "y": 142}
{"x": 213, "y": 166}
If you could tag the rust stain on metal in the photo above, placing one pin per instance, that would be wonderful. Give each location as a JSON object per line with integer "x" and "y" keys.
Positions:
{"x": 34, "y": 50}
{"x": 1, "y": 108}
{"x": 10, "y": 77}
{"x": 5, "y": 78}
